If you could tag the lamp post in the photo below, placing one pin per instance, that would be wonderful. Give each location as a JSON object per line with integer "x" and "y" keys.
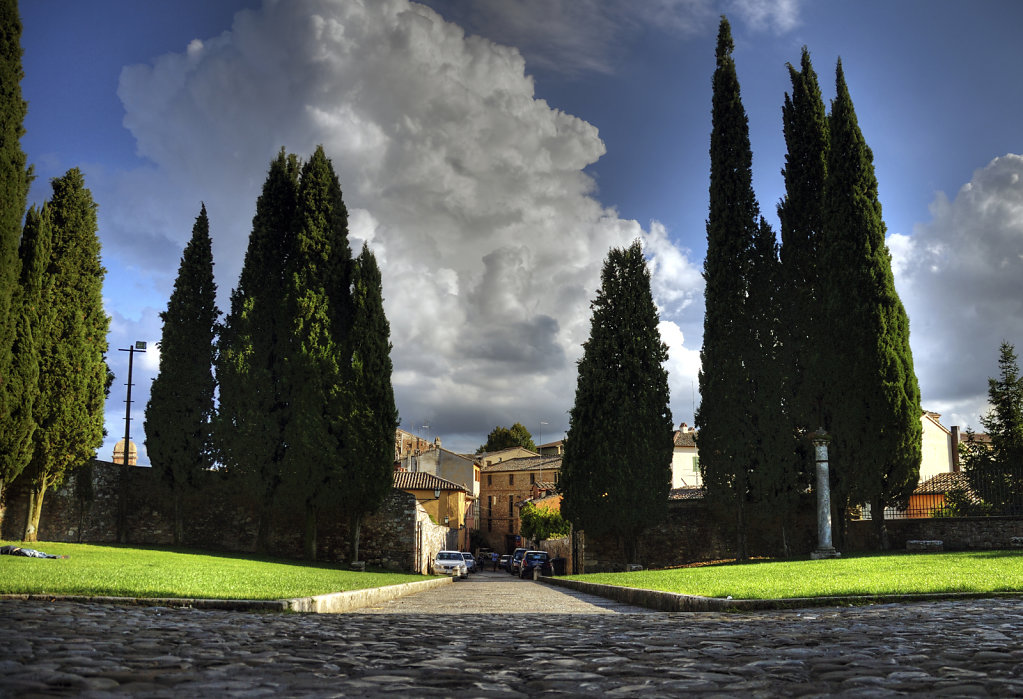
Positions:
{"x": 122, "y": 496}
{"x": 825, "y": 549}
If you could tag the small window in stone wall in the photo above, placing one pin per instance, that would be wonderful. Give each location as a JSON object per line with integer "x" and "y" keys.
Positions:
{"x": 511, "y": 479}
{"x": 490, "y": 479}
{"x": 532, "y": 478}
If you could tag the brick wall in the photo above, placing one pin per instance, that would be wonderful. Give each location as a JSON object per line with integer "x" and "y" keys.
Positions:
{"x": 220, "y": 516}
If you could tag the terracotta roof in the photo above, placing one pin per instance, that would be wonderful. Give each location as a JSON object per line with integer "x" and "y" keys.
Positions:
{"x": 526, "y": 463}
{"x": 945, "y": 482}
{"x": 687, "y": 493}
{"x": 685, "y": 439}
{"x": 421, "y": 480}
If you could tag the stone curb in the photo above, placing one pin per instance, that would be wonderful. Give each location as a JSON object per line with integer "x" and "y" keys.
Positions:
{"x": 674, "y": 602}
{"x": 331, "y": 603}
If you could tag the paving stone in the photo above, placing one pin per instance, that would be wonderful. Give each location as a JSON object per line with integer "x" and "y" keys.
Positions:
{"x": 495, "y": 636}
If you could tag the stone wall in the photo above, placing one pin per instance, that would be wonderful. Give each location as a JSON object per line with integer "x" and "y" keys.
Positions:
{"x": 220, "y": 516}
{"x": 958, "y": 533}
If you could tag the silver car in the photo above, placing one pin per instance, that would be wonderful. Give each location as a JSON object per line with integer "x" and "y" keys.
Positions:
{"x": 450, "y": 563}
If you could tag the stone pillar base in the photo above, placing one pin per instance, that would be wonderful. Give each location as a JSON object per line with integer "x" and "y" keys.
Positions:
{"x": 824, "y": 553}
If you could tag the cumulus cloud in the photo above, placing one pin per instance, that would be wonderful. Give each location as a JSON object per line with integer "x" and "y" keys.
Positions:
{"x": 959, "y": 277}
{"x": 470, "y": 190}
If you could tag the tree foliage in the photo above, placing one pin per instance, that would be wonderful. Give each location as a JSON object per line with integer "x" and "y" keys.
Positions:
{"x": 253, "y": 348}
{"x": 71, "y": 342}
{"x": 872, "y": 399}
{"x": 616, "y": 470}
{"x": 726, "y": 435}
{"x": 995, "y": 468}
{"x": 507, "y": 437}
{"x": 180, "y": 409}
{"x": 540, "y": 523}
{"x": 14, "y": 183}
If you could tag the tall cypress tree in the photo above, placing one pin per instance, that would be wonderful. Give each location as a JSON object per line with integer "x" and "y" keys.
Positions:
{"x": 801, "y": 213}
{"x": 725, "y": 434}
{"x": 616, "y": 470}
{"x": 18, "y": 427}
{"x": 367, "y": 477}
{"x": 180, "y": 408}
{"x": 72, "y": 344}
{"x": 872, "y": 396}
{"x": 14, "y": 182}
{"x": 318, "y": 302}
{"x": 253, "y": 349}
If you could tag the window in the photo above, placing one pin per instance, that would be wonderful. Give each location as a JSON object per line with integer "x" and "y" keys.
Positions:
{"x": 511, "y": 525}
{"x": 511, "y": 506}
{"x": 532, "y": 478}
{"x": 490, "y": 525}
{"x": 696, "y": 464}
{"x": 476, "y": 475}
{"x": 490, "y": 479}
{"x": 511, "y": 479}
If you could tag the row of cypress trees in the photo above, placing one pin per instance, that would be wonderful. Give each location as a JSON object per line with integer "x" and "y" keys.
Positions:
{"x": 809, "y": 335}
{"x": 306, "y": 411}
{"x": 53, "y": 330}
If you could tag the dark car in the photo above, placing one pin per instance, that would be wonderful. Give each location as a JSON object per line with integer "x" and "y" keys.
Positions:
{"x": 535, "y": 559}
{"x": 504, "y": 562}
{"x": 516, "y": 561}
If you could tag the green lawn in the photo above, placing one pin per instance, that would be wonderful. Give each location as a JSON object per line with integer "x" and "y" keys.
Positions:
{"x": 142, "y": 572}
{"x": 899, "y": 574}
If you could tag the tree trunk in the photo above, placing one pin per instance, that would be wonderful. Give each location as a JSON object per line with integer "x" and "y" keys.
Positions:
{"x": 880, "y": 528}
{"x": 785, "y": 541}
{"x": 179, "y": 525}
{"x": 309, "y": 537}
{"x": 35, "y": 510}
{"x": 354, "y": 536}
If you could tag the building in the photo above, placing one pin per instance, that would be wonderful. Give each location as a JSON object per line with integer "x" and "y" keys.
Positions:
{"x": 444, "y": 501}
{"x": 685, "y": 459}
{"x": 133, "y": 453}
{"x": 504, "y": 485}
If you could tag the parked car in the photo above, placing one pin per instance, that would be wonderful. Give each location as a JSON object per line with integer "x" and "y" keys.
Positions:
{"x": 470, "y": 562}
{"x": 504, "y": 561}
{"x": 450, "y": 563}
{"x": 535, "y": 559}
{"x": 516, "y": 561}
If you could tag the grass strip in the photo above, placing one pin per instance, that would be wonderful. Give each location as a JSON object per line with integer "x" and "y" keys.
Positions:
{"x": 124, "y": 571}
{"x": 889, "y": 574}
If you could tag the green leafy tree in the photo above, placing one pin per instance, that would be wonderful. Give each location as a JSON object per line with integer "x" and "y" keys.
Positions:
{"x": 507, "y": 437}
{"x": 14, "y": 183}
{"x": 18, "y": 431}
{"x": 180, "y": 408}
{"x": 616, "y": 470}
{"x": 72, "y": 343}
{"x": 540, "y": 523}
{"x": 368, "y": 476}
{"x": 995, "y": 468}
{"x": 872, "y": 396}
{"x": 317, "y": 297}
{"x": 253, "y": 348}
{"x": 726, "y": 435}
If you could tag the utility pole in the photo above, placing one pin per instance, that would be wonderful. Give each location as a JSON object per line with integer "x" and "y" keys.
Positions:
{"x": 122, "y": 496}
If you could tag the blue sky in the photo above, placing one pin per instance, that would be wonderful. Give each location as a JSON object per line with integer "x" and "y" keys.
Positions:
{"x": 492, "y": 151}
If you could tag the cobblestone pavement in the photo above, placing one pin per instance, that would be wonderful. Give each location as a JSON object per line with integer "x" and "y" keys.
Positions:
{"x": 409, "y": 647}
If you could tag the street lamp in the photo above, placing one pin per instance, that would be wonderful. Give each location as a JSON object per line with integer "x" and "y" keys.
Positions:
{"x": 122, "y": 497}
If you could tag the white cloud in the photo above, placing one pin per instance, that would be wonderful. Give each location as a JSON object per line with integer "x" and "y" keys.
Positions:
{"x": 470, "y": 190}
{"x": 778, "y": 16}
{"x": 959, "y": 277}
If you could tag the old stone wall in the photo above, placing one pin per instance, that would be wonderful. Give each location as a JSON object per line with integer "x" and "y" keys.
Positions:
{"x": 218, "y": 515}
{"x": 958, "y": 534}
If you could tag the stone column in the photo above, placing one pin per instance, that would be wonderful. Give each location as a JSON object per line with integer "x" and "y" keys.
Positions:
{"x": 825, "y": 549}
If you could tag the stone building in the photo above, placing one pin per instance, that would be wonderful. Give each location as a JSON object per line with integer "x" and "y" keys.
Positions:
{"x": 504, "y": 486}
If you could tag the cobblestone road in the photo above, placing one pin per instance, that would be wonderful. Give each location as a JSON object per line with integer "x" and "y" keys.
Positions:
{"x": 461, "y": 641}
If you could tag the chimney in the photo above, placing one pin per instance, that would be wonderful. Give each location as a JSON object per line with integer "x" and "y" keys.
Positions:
{"x": 955, "y": 449}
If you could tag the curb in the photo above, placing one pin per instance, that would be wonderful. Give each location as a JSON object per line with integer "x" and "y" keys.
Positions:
{"x": 331, "y": 603}
{"x": 674, "y": 602}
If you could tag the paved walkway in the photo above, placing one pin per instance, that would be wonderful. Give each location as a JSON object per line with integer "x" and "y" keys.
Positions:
{"x": 444, "y": 643}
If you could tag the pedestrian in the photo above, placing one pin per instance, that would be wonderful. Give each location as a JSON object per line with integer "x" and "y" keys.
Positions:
{"x": 493, "y": 559}
{"x": 31, "y": 553}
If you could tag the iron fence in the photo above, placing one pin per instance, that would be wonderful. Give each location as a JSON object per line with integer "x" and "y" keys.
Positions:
{"x": 985, "y": 491}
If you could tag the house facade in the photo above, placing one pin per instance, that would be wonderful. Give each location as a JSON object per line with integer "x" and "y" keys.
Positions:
{"x": 444, "y": 501}
{"x": 504, "y": 485}
{"x": 685, "y": 459}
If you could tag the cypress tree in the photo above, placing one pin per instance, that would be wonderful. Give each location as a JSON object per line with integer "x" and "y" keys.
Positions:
{"x": 872, "y": 396}
{"x": 368, "y": 474}
{"x": 180, "y": 407}
{"x": 72, "y": 343}
{"x": 253, "y": 346}
{"x": 18, "y": 427}
{"x": 14, "y": 182}
{"x": 725, "y": 434}
{"x": 801, "y": 213}
{"x": 318, "y": 302}
{"x": 616, "y": 470}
